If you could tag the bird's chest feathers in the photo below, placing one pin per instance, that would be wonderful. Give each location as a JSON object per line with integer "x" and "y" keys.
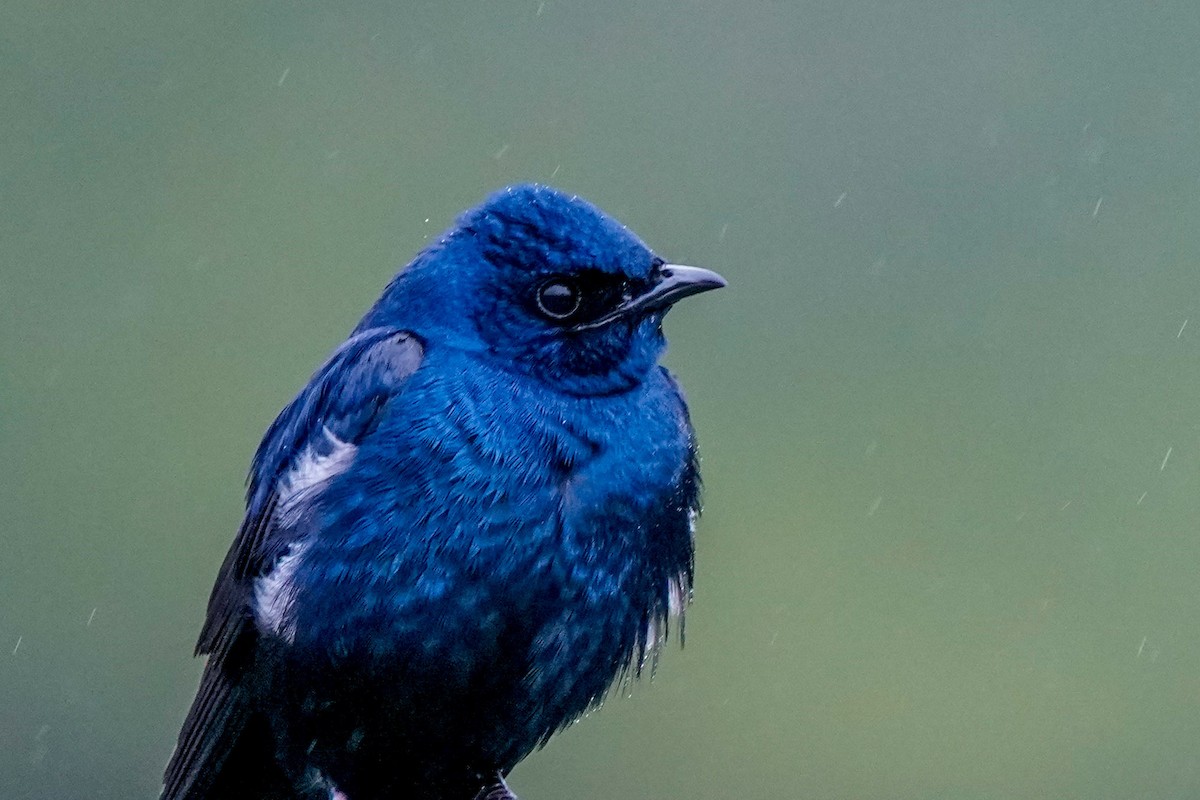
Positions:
{"x": 476, "y": 503}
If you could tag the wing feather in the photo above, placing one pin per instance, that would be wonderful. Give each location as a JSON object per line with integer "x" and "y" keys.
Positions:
{"x": 344, "y": 399}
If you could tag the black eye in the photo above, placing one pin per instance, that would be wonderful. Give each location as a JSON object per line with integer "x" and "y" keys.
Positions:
{"x": 558, "y": 298}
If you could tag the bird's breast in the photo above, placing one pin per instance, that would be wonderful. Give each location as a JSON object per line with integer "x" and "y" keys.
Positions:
{"x": 482, "y": 508}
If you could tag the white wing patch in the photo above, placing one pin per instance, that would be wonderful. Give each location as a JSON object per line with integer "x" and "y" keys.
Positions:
{"x": 275, "y": 592}
{"x": 274, "y": 595}
{"x": 310, "y": 474}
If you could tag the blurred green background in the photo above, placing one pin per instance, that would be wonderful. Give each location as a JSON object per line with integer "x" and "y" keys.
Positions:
{"x": 949, "y": 405}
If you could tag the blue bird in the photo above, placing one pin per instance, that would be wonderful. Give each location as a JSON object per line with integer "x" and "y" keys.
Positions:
{"x": 475, "y": 518}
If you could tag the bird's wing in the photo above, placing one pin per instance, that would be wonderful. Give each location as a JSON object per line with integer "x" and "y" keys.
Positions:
{"x": 340, "y": 406}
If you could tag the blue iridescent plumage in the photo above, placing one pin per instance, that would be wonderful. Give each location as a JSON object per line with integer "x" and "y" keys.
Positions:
{"x": 474, "y": 518}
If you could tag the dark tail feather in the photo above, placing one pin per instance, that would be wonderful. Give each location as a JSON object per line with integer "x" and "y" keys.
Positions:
{"x": 250, "y": 772}
{"x": 496, "y": 790}
{"x": 225, "y": 751}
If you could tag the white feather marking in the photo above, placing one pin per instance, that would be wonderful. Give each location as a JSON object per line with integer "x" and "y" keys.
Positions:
{"x": 310, "y": 474}
{"x": 274, "y": 595}
{"x": 652, "y": 635}
{"x": 679, "y": 596}
{"x": 275, "y": 592}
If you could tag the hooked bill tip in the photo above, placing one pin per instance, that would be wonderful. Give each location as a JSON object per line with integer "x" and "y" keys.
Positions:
{"x": 690, "y": 280}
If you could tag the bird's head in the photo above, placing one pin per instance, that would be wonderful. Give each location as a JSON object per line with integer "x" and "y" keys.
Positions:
{"x": 549, "y": 286}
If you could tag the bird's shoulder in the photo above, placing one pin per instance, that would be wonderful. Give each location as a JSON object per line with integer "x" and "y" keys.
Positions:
{"x": 311, "y": 441}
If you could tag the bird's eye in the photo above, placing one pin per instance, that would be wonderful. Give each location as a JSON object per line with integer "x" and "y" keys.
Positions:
{"x": 558, "y": 298}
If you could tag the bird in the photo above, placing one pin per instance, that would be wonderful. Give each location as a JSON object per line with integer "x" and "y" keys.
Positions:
{"x": 475, "y": 519}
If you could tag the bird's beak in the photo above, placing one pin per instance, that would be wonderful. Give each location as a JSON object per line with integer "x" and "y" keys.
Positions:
{"x": 675, "y": 282}
{"x": 670, "y": 283}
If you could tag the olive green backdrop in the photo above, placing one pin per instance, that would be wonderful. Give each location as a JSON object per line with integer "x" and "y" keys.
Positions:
{"x": 949, "y": 406}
